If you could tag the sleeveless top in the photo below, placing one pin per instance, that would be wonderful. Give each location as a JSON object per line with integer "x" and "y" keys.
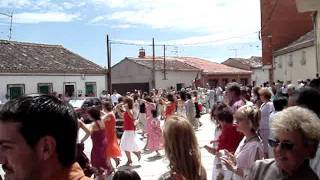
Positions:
{"x": 128, "y": 122}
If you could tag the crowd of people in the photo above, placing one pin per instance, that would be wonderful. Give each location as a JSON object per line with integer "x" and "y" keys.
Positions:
{"x": 269, "y": 132}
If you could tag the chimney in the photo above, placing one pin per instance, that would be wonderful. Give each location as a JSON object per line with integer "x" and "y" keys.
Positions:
{"x": 142, "y": 53}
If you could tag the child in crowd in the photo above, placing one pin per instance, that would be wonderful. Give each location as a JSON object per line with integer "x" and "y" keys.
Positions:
{"x": 227, "y": 140}
{"x": 126, "y": 174}
{"x": 155, "y": 136}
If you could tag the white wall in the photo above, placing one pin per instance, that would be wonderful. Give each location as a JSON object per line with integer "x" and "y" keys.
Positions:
{"x": 130, "y": 72}
{"x": 31, "y": 82}
{"x": 259, "y": 75}
{"x": 297, "y": 71}
{"x": 174, "y": 77}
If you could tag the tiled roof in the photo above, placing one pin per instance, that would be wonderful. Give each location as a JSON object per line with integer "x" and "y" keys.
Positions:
{"x": 242, "y": 63}
{"x": 304, "y": 41}
{"x": 170, "y": 65}
{"x": 208, "y": 67}
{"x": 20, "y": 57}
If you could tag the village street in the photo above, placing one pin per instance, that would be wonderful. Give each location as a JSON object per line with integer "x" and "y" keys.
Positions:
{"x": 151, "y": 166}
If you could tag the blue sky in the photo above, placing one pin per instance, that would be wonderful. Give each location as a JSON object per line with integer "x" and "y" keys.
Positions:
{"x": 209, "y": 29}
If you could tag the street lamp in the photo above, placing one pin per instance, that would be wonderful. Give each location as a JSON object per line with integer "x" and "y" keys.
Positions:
{"x": 10, "y": 16}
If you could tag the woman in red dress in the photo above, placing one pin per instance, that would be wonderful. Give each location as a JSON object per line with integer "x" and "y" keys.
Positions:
{"x": 171, "y": 106}
{"x": 113, "y": 150}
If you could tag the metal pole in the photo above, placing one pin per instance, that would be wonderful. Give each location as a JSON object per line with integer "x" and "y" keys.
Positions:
{"x": 164, "y": 63}
{"x": 10, "y": 30}
{"x": 153, "y": 66}
{"x": 10, "y": 26}
{"x": 109, "y": 66}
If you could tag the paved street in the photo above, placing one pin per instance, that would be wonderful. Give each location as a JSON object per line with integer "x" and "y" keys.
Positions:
{"x": 151, "y": 167}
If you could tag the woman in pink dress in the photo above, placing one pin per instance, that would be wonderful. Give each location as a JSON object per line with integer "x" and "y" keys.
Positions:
{"x": 149, "y": 107}
{"x": 155, "y": 135}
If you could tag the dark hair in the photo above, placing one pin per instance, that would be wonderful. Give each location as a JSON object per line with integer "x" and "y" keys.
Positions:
{"x": 107, "y": 105}
{"x": 135, "y": 97}
{"x": 279, "y": 102}
{"x": 154, "y": 113}
{"x": 148, "y": 99}
{"x": 170, "y": 97}
{"x": 126, "y": 174}
{"x": 41, "y": 116}
{"x": 225, "y": 115}
{"x": 309, "y": 98}
{"x": 94, "y": 113}
{"x": 188, "y": 96}
{"x": 120, "y": 99}
{"x": 235, "y": 87}
{"x": 183, "y": 95}
{"x": 129, "y": 101}
{"x": 217, "y": 106}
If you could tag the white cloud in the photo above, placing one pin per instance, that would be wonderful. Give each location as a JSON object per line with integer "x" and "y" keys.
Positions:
{"x": 15, "y": 3}
{"x": 205, "y": 16}
{"x": 45, "y": 17}
{"x": 123, "y": 26}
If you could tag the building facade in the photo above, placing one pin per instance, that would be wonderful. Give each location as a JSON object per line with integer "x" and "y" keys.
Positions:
{"x": 281, "y": 24}
{"x": 259, "y": 74}
{"x": 27, "y": 68}
{"x": 136, "y": 74}
{"x": 297, "y": 61}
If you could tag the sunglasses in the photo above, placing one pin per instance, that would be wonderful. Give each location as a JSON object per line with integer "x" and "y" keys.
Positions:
{"x": 283, "y": 145}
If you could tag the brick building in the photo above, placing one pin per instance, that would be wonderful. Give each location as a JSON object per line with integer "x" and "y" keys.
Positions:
{"x": 281, "y": 24}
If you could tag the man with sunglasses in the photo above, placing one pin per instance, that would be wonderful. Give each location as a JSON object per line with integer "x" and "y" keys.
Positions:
{"x": 296, "y": 135}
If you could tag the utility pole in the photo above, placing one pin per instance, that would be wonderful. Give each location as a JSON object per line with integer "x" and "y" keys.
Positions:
{"x": 153, "y": 66}
{"x": 10, "y": 29}
{"x": 109, "y": 66}
{"x": 164, "y": 63}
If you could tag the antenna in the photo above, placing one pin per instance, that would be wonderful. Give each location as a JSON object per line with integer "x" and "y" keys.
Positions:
{"x": 235, "y": 52}
{"x": 11, "y": 17}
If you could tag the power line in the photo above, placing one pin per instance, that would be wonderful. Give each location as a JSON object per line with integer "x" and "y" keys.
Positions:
{"x": 182, "y": 44}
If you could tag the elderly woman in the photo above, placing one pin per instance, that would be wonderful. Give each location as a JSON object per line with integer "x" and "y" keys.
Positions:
{"x": 182, "y": 150}
{"x": 266, "y": 109}
{"x": 296, "y": 136}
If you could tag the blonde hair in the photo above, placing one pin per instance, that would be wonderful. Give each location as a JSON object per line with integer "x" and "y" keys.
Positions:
{"x": 182, "y": 148}
{"x": 297, "y": 118}
{"x": 251, "y": 113}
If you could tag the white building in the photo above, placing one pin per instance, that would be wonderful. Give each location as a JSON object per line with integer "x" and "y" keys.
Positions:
{"x": 313, "y": 6}
{"x": 27, "y": 68}
{"x": 297, "y": 61}
{"x": 135, "y": 73}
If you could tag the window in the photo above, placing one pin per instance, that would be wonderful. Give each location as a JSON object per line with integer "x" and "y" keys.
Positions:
{"x": 280, "y": 62}
{"x": 303, "y": 58}
{"x": 15, "y": 90}
{"x": 290, "y": 62}
{"x": 91, "y": 89}
{"x": 44, "y": 88}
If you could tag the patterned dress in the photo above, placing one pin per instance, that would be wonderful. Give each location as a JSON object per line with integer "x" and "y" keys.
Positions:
{"x": 155, "y": 141}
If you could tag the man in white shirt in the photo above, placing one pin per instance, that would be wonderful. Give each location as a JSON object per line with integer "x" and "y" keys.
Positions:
{"x": 114, "y": 98}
